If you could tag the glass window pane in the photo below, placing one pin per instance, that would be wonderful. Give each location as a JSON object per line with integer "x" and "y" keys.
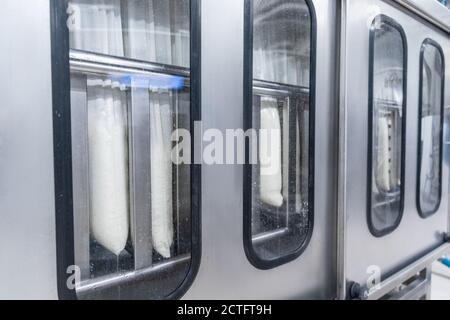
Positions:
{"x": 387, "y": 118}
{"x": 281, "y": 215}
{"x": 132, "y": 203}
{"x": 430, "y": 143}
{"x": 149, "y": 30}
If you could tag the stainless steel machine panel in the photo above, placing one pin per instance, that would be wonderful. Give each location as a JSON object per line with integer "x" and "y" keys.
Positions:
{"x": 225, "y": 271}
{"x": 368, "y": 256}
{"x": 430, "y": 10}
{"x": 28, "y": 248}
{"x": 27, "y": 192}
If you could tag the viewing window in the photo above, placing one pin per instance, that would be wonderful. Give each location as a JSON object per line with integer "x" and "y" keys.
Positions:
{"x": 387, "y": 119}
{"x": 431, "y": 115}
{"x": 131, "y": 88}
{"x": 279, "y": 207}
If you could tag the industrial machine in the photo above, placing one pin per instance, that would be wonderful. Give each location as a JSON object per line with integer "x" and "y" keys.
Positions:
{"x": 134, "y": 162}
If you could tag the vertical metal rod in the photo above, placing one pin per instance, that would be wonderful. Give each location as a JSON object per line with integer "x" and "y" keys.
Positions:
{"x": 341, "y": 31}
{"x": 177, "y": 194}
{"x": 80, "y": 160}
{"x": 140, "y": 173}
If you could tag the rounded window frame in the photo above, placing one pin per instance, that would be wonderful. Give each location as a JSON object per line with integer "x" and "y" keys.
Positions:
{"x": 249, "y": 249}
{"x": 425, "y": 43}
{"x": 382, "y": 18}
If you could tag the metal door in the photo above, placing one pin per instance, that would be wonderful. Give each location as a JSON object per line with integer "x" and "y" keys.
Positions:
{"x": 225, "y": 271}
{"x": 371, "y": 256}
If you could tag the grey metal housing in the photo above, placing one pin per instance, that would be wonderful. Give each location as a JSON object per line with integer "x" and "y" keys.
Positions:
{"x": 341, "y": 251}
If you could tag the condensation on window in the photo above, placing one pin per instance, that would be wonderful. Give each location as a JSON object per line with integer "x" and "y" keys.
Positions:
{"x": 387, "y": 119}
{"x": 149, "y": 30}
{"x": 281, "y": 181}
{"x": 132, "y": 204}
{"x": 430, "y": 143}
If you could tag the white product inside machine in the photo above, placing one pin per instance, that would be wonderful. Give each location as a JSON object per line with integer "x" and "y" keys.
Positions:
{"x": 384, "y": 161}
{"x": 96, "y": 26}
{"x": 108, "y": 164}
{"x": 139, "y": 30}
{"x": 270, "y": 153}
{"x": 427, "y": 170}
{"x": 161, "y": 172}
{"x": 389, "y": 97}
{"x": 148, "y": 30}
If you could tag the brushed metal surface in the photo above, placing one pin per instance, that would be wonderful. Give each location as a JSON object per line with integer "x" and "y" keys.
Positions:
{"x": 433, "y": 11}
{"x": 225, "y": 272}
{"x": 27, "y": 231}
{"x": 415, "y": 236}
